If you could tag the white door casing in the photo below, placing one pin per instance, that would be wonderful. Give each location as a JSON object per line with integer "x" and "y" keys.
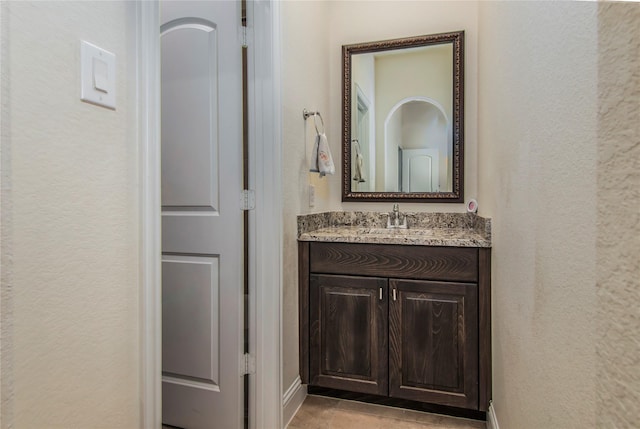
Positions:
{"x": 202, "y": 245}
{"x": 265, "y": 222}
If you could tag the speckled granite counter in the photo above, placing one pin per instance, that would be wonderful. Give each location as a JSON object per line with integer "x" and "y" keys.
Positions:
{"x": 425, "y": 229}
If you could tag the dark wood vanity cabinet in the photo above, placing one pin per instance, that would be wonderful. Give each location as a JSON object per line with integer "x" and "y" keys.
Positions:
{"x": 407, "y": 322}
{"x": 349, "y": 334}
{"x": 433, "y": 342}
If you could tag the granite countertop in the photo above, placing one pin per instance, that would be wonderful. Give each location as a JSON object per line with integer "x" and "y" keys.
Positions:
{"x": 425, "y": 229}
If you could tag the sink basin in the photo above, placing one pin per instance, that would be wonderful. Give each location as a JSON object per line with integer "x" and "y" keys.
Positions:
{"x": 394, "y": 231}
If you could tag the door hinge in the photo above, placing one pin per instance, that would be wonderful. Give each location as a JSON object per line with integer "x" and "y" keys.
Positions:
{"x": 244, "y": 35}
{"x": 248, "y": 364}
{"x": 248, "y": 199}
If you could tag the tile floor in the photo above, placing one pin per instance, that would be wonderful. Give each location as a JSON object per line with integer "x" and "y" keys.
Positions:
{"x": 318, "y": 412}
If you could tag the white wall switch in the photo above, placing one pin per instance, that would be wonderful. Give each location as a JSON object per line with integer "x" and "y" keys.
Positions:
{"x": 312, "y": 196}
{"x": 97, "y": 75}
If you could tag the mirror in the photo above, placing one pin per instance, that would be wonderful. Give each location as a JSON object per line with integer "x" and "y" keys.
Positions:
{"x": 403, "y": 112}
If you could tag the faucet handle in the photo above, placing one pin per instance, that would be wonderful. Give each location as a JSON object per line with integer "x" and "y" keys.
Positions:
{"x": 395, "y": 219}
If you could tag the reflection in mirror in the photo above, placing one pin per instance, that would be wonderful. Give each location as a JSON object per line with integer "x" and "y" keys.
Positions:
{"x": 402, "y": 124}
{"x": 417, "y": 134}
{"x": 362, "y": 144}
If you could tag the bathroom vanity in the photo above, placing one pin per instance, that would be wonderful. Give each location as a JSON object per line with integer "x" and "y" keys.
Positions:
{"x": 397, "y": 314}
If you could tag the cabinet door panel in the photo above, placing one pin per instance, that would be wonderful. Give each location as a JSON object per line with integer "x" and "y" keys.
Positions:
{"x": 433, "y": 353}
{"x": 348, "y": 330}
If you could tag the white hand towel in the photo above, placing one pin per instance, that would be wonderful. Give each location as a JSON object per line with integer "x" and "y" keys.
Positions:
{"x": 321, "y": 160}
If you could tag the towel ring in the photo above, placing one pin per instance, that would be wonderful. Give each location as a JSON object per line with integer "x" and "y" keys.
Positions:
{"x": 306, "y": 114}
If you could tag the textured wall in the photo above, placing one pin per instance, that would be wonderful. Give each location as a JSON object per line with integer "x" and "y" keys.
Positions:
{"x": 618, "y": 196}
{"x": 305, "y": 81}
{"x": 70, "y": 214}
{"x": 538, "y": 137}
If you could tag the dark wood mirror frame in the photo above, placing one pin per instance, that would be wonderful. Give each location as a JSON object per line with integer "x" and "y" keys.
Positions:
{"x": 457, "y": 193}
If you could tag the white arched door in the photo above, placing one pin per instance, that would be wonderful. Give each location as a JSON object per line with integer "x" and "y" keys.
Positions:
{"x": 202, "y": 230}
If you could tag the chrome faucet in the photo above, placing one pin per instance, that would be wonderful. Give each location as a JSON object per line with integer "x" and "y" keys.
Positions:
{"x": 396, "y": 219}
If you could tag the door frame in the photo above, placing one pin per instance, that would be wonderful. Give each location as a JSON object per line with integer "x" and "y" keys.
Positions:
{"x": 265, "y": 239}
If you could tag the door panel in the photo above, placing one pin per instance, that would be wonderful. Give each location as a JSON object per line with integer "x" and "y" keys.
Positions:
{"x": 189, "y": 104}
{"x": 433, "y": 353}
{"x": 346, "y": 312}
{"x": 202, "y": 232}
{"x": 349, "y": 333}
{"x": 420, "y": 170}
{"x": 190, "y": 299}
{"x": 428, "y": 320}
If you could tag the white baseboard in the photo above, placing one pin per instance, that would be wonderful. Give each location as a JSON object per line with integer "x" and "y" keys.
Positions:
{"x": 492, "y": 420}
{"x": 292, "y": 400}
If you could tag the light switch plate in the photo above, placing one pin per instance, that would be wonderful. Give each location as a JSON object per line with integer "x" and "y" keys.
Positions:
{"x": 97, "y": 75}
{"x": 312, "y": 196}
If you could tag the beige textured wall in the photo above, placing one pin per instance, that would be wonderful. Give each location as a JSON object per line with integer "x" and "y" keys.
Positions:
{"x": 305, "y": 81}
{"x": 69, "y": 231}
{"x": 618, "y": 216}
{"x": 538, "y": 141}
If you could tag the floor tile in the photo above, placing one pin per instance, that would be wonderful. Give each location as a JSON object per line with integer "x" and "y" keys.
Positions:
{"x": 315, "y": 413}
{"x": 390, "y": 412}
{"x": 345, "y": 419}
{"x": 328, "y": 413}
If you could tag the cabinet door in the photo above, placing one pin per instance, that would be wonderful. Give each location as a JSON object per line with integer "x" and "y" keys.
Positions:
{"x": 348, "y": 333}
{"x": 433, "y": 342}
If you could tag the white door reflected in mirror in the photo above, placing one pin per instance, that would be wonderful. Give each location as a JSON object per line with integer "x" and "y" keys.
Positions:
{"x": 419, "y": 172}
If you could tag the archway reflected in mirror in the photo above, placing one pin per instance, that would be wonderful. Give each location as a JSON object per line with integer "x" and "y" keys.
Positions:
{"x": 417, "y": 148}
